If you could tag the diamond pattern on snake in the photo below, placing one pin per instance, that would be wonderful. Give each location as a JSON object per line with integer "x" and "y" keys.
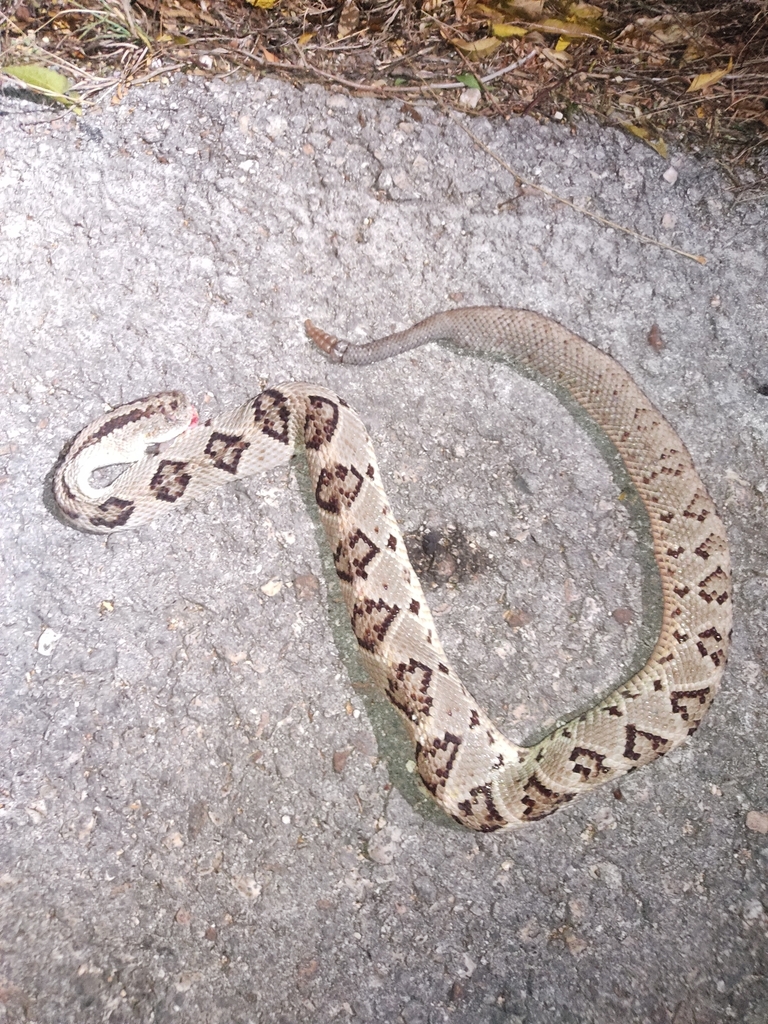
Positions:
{"x": 482, "y": 779}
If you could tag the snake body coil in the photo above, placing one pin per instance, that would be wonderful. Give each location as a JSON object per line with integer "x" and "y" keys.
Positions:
{"x": 478, "y": 776}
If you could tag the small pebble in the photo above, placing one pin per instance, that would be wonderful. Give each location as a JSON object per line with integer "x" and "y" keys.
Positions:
{"x": 757, "y": 821}
{"x": 470, "y": 98}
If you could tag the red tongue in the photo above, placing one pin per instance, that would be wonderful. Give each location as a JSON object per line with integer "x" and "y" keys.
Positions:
{"x": 195, "y": 418}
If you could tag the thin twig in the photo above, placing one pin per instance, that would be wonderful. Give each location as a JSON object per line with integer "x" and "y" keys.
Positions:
{"x": 510, "y": 67}
{"x": 420, "y": 85}
{"x": 360, "y": 87}
{"x": 550, "y": 194}
{"x": 156, "y": 72}
{"x": 605, "y": 221}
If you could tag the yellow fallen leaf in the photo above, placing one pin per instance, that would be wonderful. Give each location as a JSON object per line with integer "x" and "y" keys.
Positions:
{"x": 702, "y": 81}
{"x": 566, "y": 28}
{"x": 503, "y": 31}
{"x": 479, "y": 48}
{"x": 305, "y": 37}
{"x": 659, "y": 145}
{"x": 551, "y": 26}
{"x": 641, "y": 133}
{"x": 562, "y": 44}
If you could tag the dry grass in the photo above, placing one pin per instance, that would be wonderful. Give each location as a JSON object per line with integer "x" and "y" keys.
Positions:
{"x": 630, "y": 62}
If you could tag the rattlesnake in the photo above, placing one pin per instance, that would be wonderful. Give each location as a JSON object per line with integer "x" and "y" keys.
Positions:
{"x": 478, "y": 776}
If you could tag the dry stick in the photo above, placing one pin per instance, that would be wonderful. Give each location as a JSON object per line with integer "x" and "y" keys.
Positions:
{"x": 647, "y": 239}
{"x": 419, "y": 85}
{"x": 510, "y": 67}
{"x": 156, "y": 73}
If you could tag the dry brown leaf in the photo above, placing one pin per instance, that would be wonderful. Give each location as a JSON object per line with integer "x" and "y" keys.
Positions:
{"x": 655, "y": 339}
{"x": 656, "y": 33}
{"x": 192, "y": 11}
{"x": 172, "y": 10}
{"x": 529, "y": 9}
{"x": 349, "y": 19}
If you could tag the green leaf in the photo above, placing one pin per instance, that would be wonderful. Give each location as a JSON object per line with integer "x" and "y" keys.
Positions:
{"x": 469, "y": 80}
{"x": 46, "y": 82}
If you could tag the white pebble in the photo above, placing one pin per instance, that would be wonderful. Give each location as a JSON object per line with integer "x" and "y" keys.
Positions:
{"x": 48, "y": 640}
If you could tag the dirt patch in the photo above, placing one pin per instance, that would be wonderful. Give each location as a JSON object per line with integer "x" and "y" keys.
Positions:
{"x": 445, "y": 556}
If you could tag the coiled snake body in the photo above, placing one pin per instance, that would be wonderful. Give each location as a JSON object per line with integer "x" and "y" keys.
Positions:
{"x": 478, "y": 776}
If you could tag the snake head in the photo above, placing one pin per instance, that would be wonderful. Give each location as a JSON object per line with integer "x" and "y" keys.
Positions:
{"x": 120, "y": 437}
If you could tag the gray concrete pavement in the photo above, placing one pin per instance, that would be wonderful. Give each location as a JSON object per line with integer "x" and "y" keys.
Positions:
{"x": 205, "y": 815}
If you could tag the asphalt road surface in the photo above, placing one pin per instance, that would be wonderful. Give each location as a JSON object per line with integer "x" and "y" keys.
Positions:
{"x": 205, "y": 814}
